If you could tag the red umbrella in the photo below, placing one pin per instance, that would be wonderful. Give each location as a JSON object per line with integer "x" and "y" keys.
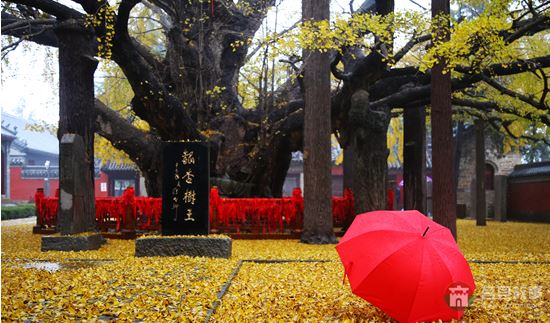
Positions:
{"x": 407, "y": 265}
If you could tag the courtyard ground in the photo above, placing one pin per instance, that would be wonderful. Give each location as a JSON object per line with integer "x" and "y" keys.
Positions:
{"x": 510, "y": 262}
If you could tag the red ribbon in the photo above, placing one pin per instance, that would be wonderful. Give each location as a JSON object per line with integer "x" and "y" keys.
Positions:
{"x": 265, "y": 215}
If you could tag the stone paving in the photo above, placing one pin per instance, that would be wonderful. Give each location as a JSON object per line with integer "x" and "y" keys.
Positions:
{"x": 32, "y": 219}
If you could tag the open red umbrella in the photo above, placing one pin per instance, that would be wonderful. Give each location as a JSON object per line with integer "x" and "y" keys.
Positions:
{"x": 407, "y": 265}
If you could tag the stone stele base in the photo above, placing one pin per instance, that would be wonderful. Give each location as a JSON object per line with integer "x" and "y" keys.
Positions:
{"x": 72, "y": 242}
{"x": 219, "y": 247}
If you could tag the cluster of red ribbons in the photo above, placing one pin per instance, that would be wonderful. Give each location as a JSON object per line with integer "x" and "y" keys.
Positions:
{"x": 46, "y": 209}
{"x": 149, "y": 211}
{"x": 109, "y": 211}
{"x": 256, "y": 215}
{"x": 342, "y": 207}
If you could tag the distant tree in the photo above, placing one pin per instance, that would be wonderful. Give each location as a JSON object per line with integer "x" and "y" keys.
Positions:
{"x": 481, "y": 205}
{"x": 535, "y": 152}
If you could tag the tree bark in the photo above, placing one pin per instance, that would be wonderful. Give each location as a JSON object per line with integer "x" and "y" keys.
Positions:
{"x": 444, "y": 194}
{"x": 76, "y": 109}
{"x": 349, "y": 159}
{"x": 414, "y": 158}
{"x": 458, "y": 150}
{"x": 317, "y": 129}
{"x": 481, "y": 207}
{"x": 371, "y": 153}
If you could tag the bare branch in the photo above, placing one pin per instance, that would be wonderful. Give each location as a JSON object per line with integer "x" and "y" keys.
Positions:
{"x": 164, "y": 20}
{"x": 410, "y": 44}
{"x": 51, "y": 7}
{"x": 351, "y": 7}
{"x": 25, "y": 24}
{"x": 502, "y": 89}
{"x": 335, "y": 71}
{"x": 28, "y": 30}
{"x": 545, "y": 90}
{"x": 419, "y": 5}
{"x": 526, "y": 28}
{"x": 488, "y": 106}
{"x": 299, "y": 71}
{"x": 262, "y": 44}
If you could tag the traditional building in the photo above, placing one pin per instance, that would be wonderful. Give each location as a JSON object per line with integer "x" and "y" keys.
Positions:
{"x": 9, "y": 133}
{"x": 30, "y": 160}
{"x": 528, "y": 195}
{"x": 121, "y": 176}
{"x": 496, "y": 164}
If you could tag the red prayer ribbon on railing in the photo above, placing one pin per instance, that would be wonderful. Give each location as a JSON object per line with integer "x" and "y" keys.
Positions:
{"x": 251, "y": 215}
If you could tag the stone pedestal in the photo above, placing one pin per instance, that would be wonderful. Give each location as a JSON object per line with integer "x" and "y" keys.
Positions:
{"x": 184, "y": 246}
{"x": 72, "y": 242}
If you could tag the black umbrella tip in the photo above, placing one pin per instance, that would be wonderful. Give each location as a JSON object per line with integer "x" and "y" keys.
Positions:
{"x": 425, "y": 231}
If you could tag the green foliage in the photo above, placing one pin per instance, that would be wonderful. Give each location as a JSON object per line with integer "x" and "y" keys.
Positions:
{"x": 18, "y": 211}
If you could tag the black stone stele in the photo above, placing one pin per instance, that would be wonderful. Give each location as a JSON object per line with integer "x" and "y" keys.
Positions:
{"x": 185, "y": 188}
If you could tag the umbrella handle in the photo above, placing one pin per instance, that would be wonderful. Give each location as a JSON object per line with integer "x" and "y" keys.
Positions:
{"x": 344, "y": 278}
{"x": 346, "y": 270}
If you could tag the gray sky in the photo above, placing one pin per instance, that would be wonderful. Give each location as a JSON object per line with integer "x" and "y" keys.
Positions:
{"x": 29, "y": 81}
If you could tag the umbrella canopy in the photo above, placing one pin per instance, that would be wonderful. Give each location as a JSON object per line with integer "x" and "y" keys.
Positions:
{"x": 406, "y": 265}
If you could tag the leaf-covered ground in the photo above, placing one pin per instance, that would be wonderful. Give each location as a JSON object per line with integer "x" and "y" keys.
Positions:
{"x": 111, "y": 284}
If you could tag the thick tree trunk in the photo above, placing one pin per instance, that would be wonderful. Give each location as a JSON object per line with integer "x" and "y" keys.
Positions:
{"x": 371, "y": 153}
{"x": 414, "y": 158}
{"x": 317, "y": 129}
{"x": 76, "y": 110}
{"x": 444, "y": 194}
{"x": 371, "y": 172}
{"x": 481, "y": 208}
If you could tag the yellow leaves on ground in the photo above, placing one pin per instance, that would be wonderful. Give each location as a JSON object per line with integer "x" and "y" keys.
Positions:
{"x": 282, "y": 249}
{"x": 19, "y": 242}
{"x": 504, "y": 241}
{"x": 111, "y": 284}
{"x": 125, "y": 289}
{"x": 292, "y": 292}
{"x": 150, "y": 288}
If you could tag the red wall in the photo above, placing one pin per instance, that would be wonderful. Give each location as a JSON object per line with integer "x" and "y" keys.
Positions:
{"x": 103, "y": 178}
{"x": 23, "y": 189}
{"x": 529, "y": 201}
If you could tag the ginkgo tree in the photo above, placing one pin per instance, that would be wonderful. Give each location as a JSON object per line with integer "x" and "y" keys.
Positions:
{"x": 184, "y": 83}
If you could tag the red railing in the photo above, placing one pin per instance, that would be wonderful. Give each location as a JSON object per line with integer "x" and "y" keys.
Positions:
{"x": 227, "y": 215}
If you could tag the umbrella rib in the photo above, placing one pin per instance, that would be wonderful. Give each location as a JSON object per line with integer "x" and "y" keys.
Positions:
{"x": 417, "y": 283}
{"x": 440, "y": 258}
